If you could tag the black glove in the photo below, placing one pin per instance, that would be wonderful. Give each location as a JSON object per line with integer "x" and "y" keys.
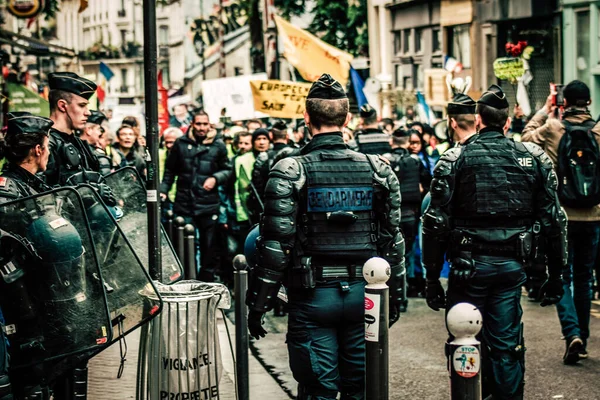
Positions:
{"x": 106, "y": 194}
{"x": 255, "y": 321}
{"x": 394, "y": 312}
{"x": 461, "y": 272}
{"x": 552, "y": 291}
{"x": 435, "y": 295}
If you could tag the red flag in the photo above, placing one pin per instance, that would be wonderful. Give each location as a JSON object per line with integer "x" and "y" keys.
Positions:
{"x": 160, "y": 80}
{"x": 101, "y": 94}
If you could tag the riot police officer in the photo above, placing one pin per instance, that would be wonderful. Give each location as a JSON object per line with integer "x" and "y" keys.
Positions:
{"x": 485, "y": 197}
{"x": 91, "y": 134}
{"x": 25, "y": 147}
{"x": 370, "y": 139}
{"x": 327, "y": 211}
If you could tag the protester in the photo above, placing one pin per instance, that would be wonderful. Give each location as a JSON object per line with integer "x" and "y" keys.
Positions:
{"x": 126, "y": 153}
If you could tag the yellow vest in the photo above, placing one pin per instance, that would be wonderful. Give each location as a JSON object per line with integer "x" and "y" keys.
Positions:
{"x": 244, "y": 165}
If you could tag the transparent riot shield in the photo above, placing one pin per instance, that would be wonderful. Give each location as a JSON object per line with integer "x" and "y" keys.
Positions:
{"x": 51, "y": 290}
{"x": 130, "y": 192}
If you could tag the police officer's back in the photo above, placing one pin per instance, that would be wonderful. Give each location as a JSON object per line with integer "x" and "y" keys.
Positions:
{"x": 327, "y": 211}
{"x": 370, "y": 139}
{"x": 69, "y": 99}
{"x": 486, "y": 197}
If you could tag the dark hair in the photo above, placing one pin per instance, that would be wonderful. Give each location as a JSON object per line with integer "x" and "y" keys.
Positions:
{"x": 200, "y": 113}
{"x": 131, "y": 121}
{"x": 417, "y": 123}
{"x": 279, "y": 134}
{"x": 464, "y": 121}
{"x": 492, "y": 116}
{"x": 370, "y": 120}
{"x": 16, "y": 148}
{"x": 577, "y": 93}
{"x": 400, "y": 140}
{"x": 327, "y": 112}
{"x": 237, "y": 136}
{"x": 126, "y": 126}
{"x": 55, "y": 95}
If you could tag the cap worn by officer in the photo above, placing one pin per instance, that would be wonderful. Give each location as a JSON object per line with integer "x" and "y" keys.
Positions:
{"x": 461, "y": 104}
{"x": 25, "y": 122}
{"x": 402, "y": 133}
{"x": 96, "y": 118}
{"x": 367, "y": 112}
{"x": 326, "y": 88}
{"x": 72, "y": 83}
{"x": 279, "y": 125}
{"x": 494, "y": 97}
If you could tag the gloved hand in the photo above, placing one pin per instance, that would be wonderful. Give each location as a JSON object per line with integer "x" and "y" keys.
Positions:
{"x": 255, "y": 321}
{"x": 435, "y": 295}
{"x": 552, "y": 291}
{"x": 461, "y": 272}
{"x": 394, "y": 312}
{"x": 105, "y": 193}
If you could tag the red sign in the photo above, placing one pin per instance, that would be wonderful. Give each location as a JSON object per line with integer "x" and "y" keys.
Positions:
{"x": 369, "y": 304}
{"x": 163, "y": 109}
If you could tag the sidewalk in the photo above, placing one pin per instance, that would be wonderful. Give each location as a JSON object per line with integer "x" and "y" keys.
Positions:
{"x": 104, "y": 385}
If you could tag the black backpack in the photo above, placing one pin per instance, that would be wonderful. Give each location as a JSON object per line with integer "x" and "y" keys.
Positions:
{"x": 578, "y": 166}
{"x": 407, "y": 169}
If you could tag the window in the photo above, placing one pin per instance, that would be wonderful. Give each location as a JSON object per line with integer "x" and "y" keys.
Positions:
{"x": 436, "y": 40}
{"x": 399, "y": 78}
{"x": 419, "y": 41}
{"x": 397, "y": 42}
{"x": 419, "y": 77}
{"x": 582, "y": 34}
{"x": 406, "y": 44}
{"x": 459, "y": 44}
{"x": 124, "y": 86}
{"x": 123, "y": 37}
{"x": 163, "y": 35}
{"x": 407, "y": 83}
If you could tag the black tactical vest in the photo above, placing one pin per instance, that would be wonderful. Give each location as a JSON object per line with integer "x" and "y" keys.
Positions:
{"x": 495, "y": 182}
{"x": 336, "y": 207}
{"x": 407, "y": 169}
{"x": 373, "y": 142}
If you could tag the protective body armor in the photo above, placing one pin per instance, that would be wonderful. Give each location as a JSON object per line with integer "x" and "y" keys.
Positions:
{"x": 407, "y": 169}
{"x": 68, "y": 156}
{"x": 494, "y": 185}
{"x": 373, "y": 141}
{"x": 336, "y": 209}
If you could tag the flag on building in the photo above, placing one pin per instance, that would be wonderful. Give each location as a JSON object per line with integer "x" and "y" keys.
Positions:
{"x": 425, "y": 113}
{"x": 358, "y": 84}
{"x": 311, "y": 56}
{"x": 106, "y": 71}
{"x": 451, "y": 64}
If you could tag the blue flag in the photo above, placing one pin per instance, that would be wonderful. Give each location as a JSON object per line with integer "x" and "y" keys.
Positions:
{"x": 358, "y": 84}
{"x": 106, "y": 71}
{"x": 425, "y": 113}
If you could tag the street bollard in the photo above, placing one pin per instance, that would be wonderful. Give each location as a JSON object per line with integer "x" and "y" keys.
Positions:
{"x": 168, "y": 224}
{"x": 241, "y": 327}
{"x": 189, "y": 249}
{"x": 464, "y": 352}
{"x": 376, "y": 272}
{"x": 178, "y": 227}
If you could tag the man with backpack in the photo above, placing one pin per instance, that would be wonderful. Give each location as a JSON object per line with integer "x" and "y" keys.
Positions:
{"x": 414, "y": 178}
{"x": 572, "y": 141}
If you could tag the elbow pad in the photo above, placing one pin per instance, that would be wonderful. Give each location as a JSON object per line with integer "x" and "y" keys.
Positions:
{"x": 271, "y": 255}
{"x": 263, "y": 289}
{"x": 436, "y": 230}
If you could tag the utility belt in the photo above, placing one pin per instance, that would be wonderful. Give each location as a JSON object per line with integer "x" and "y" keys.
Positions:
{"x": 304, "y": 275}
{"x": 522, "y": 247}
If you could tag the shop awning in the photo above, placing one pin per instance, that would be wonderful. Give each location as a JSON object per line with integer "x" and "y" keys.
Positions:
{"x": 34, "y": 46}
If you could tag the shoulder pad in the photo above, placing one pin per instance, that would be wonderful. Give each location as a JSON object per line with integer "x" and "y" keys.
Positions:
{"x": 416, "y": 157}
{"x": 533, "y": 149}
{"x": 385, "y": 160}
{"x": 381, "y": 167}
{"x": 8, "y": 189}
{"x": 452, "y": 154}
{"x": 288, "y": 168}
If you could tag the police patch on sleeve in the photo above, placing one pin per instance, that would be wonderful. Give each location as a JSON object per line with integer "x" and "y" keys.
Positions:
{"x": 329, "y": 199}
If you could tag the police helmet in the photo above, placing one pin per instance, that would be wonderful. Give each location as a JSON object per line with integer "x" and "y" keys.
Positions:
{"x": 250, "y": 246}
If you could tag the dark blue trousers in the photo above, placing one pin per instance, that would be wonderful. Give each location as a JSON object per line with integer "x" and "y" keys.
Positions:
{"x": 326, "y": 340}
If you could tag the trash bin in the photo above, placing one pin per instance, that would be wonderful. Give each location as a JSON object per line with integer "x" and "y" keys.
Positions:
{"x": 180, "y": 356}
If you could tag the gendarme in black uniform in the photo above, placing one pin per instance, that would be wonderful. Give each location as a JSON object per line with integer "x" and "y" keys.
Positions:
{"x": 327, "y": 211}
{"x": 372, "y": 140}
{"x": 69, "y": 155}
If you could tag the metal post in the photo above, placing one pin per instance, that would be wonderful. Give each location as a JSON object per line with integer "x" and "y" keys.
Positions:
{"x": 151, "y": 101}
{"x": 223, "y": 55}
{"x": 240, "y": 274}
{"x": 178, "y": 234}
{"x": 168, "y": 224}
{"x": 464, "y": 352}
{"x": 189, "y": 248}
{"x": 377, "y": 315}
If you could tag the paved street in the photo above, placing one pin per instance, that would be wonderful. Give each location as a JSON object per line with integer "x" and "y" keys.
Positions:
{"x": 417, "y": 363}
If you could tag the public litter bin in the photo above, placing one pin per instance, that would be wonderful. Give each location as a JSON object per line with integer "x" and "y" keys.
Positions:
{"x": 180, "y": 356}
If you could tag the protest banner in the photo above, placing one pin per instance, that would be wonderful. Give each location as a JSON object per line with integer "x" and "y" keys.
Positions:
{"x": 21, "y": 98}
{"x": 232, "y": 94}
{"x": 280, "y": 99}
{"x": 311, "y": 56}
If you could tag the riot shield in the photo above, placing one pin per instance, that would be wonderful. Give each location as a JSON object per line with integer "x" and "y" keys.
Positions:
{"x": 130, "y": 192}
{"x": 51, "y": 290}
